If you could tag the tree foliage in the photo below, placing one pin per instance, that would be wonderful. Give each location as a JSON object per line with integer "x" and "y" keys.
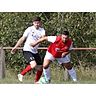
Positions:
{"x": 81, "y": 25}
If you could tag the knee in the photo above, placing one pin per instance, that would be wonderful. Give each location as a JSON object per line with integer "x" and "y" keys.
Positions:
{"x": 39, "y": 67}
{"x": 45, "y": 66}
{"x": 33, "y": 64}
{"x": 68, "y": 66}
{"x": 46, "y": 63}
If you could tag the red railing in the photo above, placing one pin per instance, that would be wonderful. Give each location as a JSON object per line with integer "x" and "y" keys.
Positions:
{"x": 45, "y": 48}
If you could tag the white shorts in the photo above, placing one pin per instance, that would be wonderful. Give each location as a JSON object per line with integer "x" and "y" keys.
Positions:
{"x": 65, "y": 59}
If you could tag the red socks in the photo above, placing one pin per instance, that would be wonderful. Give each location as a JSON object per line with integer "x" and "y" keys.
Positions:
{"x": 27, "y": 69}
{"x": 38, "y": 75}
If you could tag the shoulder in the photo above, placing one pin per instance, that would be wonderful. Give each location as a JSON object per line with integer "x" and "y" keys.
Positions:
{"x": 27, "y": 31}
{"x": 29, "y": 28}
{"x": 58, "y": 38}
{"x": 41, "y": 29}
{"x": 70, "y": 40}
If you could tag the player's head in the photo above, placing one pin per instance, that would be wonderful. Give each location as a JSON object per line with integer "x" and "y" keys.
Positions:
{"x": 65, "y": 35}
{"x": 37, "y": 22}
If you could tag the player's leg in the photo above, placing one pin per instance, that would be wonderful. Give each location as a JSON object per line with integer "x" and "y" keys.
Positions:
{"x": 38, "y": 74}
{"x": 39, "y": 67}
{"x": 46, "y": 69}
{"x": 71, "y": 71}
{"x": 30, "y": 64}
{"x": 65, "y": 61}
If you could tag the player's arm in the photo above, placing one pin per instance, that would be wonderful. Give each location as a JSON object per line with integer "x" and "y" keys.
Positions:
{"x": 69, "y": 50}
{"x": 19, "y": 42}
{"x": 39, "y": 41}
{"x": 65, "y": 53}
{"x": 43, "y": 36}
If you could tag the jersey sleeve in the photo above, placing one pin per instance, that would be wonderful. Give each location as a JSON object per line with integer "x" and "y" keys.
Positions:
{"x": 52, "y": 39}
{"x": 43, "y": 32}
{"x": 25, "y": 34}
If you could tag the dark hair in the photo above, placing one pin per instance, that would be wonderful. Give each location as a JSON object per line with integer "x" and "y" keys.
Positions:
{"x": 37, "y": 19}
{"x": 65, "y": 33}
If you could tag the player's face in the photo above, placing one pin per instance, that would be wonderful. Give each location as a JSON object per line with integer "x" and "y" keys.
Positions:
{"x": 37, "y": 24}
{"x": 64, "y": 38}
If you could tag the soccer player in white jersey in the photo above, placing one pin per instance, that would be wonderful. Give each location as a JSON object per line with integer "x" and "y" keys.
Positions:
{"x": 31, "y": 55}
{"x": 59, "y": 49}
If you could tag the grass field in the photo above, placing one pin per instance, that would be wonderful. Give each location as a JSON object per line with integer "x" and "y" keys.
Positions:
{"x": 28, "y": 80}
{"x": 11, "y": 78}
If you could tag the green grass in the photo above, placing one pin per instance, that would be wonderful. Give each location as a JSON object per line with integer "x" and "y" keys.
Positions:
{"x": 57, "y": 78}
{"x": 28, "y": 80}
{"x": 11, "y": 78}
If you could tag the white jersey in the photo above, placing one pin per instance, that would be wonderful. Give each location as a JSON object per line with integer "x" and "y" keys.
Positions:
{"x": 32, "y": 34}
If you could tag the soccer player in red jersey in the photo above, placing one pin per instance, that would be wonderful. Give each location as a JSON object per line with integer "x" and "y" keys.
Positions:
{"x": 59, "y": 49}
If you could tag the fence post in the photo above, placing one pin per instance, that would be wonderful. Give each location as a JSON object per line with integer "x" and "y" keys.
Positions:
{"x": 2, "y": 63}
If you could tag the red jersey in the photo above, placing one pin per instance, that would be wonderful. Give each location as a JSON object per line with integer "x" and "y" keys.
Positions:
{"x": 58, "y": 47}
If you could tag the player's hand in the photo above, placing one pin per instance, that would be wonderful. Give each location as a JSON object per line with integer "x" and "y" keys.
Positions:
{"x": 33, "y": 44}
{"x": 13, "y": 50}
{"x": 63, "y": 54}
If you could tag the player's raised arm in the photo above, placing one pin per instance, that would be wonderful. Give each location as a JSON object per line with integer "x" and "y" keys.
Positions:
{"x": 20, "y": 41}
{"x": 39, "y": 41}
